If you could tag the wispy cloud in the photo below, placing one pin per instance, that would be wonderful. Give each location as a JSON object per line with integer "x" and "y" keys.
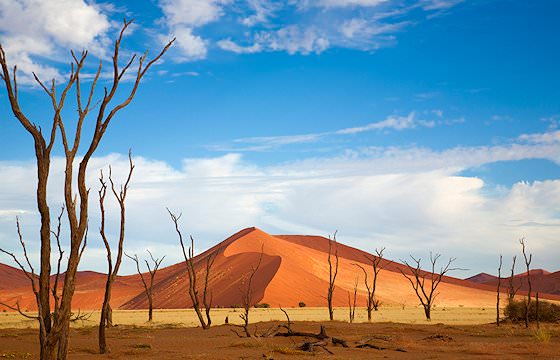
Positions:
{"x": 395, "y": 123}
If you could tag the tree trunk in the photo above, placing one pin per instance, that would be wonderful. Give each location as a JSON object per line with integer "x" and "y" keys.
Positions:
{"x": 63, "y": 341}
{"x": 103, "y": 321}
{"x": 47, "y": 350}
{"x": 427, "y": 311}
{"x": 150, "y": 304}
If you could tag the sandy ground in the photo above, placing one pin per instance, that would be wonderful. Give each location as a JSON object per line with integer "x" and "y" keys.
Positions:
{"x": 187, "y": 317}
{"x": 399, "y": 341}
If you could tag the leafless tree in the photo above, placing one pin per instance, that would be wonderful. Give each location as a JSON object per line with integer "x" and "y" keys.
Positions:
{"x": 352, "y": 304}
{"x": 333, "y": 272}
{"x": 54, "y": 323}
{"x": 148, "y": 288}
{"x": 376, "y": 264}
{"x": 247, "y": 293}
{"x": 105, "y": 319}
{"x": 511, "y": 286}
{"x": 425, "y": 292}
{"x": 527, "y": 264}
{"x": 498, "y": 292}
{"x": 247, "y": 298}
{"x": 205, "y": 320}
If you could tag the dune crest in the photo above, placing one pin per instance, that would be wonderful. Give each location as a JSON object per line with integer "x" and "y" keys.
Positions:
{"x": 294, "y": 269}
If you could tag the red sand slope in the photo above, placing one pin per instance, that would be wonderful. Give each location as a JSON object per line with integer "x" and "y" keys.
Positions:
{"x": 541, "y": 281}
{"x": 294, "y": 268}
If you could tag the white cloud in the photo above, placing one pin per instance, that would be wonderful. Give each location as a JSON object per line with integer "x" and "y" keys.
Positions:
{"x": 294, "y": 39}
{"x": 409, "y": 200}
{"x": 343, "y": 3}
{"x": 263, "y": 10}
{"x": 192, "y": 13}
{"x": 192, "y": 47}
{"x": 439, "y": 4}
{"x": 229, "y": 45}
{"x": 398, "y": 123}
{"x": 551, "y": 137}
{"x": 31, "y": 28}
{"x": 182, "y": 17}
{"x": 392, "y": 122}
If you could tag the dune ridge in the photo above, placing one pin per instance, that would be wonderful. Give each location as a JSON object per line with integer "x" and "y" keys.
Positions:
{"x": 294, "y": 269}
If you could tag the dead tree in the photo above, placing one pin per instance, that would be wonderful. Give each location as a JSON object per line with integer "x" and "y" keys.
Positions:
{"x": 498, "y": 292}
{"x": 511, "y": 286}
{"x": 426, "y": 293}
{"x": 152, "y": 272}
{"x": 205, "y": 320}
{"x": 54, "y": 324}
{"x": 247, "y": 294}
{"x": 527, "y": 264}
{"x": 352, "y": 305}
{"x": 332, "y": 273}
{"x": 105, "y": 319}
{"x": 375, "y": 261}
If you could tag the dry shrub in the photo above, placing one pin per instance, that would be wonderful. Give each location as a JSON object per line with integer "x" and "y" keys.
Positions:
{"x": 548, "y": 312}
{"x": 542, "y": 335}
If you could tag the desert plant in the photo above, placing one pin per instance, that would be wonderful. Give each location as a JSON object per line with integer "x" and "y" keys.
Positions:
{"x": 152, "y": 271}
{"x": 426, "y": 293}
{"x": 547, "y": 311}
{"x": 376, "y": 264}
{"x": 191, "y": 271}
{"x": 301, "y": 304}
{"x": 527, "y": 264}
{"x": 247, "y": 293}
{"x": 106, "y": 318}
{"x": 262, "y": 306}
{"x": 498, "y": 293}
{"x": 333, "y": 271}
{"x": 542, "y": 335}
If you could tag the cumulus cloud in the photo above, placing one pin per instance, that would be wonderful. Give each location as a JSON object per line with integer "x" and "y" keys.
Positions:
{"x": 183, "y": 17}
{"x": 42, "y": 28}
{"x": 192, "y": 47}
{"x": 410, "y": 200}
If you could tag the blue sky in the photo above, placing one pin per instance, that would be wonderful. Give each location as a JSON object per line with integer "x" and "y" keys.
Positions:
{"x": 419, "y": 124}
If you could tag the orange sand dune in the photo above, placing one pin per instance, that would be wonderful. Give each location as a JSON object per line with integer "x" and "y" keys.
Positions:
{"x": 294, "y": 268}
{"x": 541, "y": 281}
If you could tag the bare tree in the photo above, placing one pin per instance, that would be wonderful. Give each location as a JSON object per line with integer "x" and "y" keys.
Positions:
{"x": 352, "y": 305}
{"x": 247, "y": 293}
{"x": 54, "y": 324}
{"x": 152, "y": 272}
{"x": 527, "y": 264}
{"x": 375, "y": 261}
{"x": 332, "y": 273}
{"x": 426, "y": 293}
{"x": 498, "y": 292}
{"x": 105, "y": 319}
{"x": 511, "y": 286}
{"x": 205, "y": 320}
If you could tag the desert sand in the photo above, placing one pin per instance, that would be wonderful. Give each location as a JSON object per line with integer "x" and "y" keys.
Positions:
{"x": 294, "y": 269}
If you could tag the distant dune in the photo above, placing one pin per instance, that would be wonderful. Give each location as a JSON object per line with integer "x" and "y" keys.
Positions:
{"x": 294, "y": 268}
{"x": 541, "y": 281}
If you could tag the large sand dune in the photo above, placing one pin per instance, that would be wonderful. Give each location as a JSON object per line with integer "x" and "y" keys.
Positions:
{"x": 294, "y": 268}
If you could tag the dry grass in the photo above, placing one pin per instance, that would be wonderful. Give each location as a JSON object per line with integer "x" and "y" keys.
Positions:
{"x": 542, "y": 335}
{"x": 187, "y": 317}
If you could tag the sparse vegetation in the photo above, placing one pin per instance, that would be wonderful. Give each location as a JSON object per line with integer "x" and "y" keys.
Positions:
{"x": 542, "y": 335}
{"x": 301, "y": 304}
{"x": 262, "y": 306}
{"x": 548, "y": 312}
